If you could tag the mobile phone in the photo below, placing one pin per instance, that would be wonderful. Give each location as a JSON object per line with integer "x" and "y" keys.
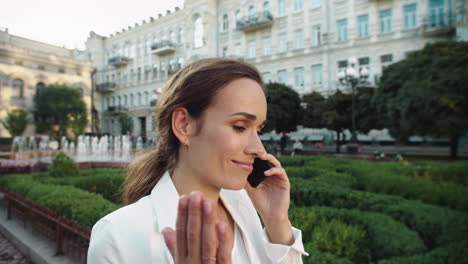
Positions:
{"x": 257, "y": 175}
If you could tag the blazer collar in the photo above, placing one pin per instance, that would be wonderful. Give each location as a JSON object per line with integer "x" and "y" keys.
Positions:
{"x": 165, "y": 199}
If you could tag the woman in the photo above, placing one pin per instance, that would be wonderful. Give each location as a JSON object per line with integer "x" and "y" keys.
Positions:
{"x": 187, "y": 200}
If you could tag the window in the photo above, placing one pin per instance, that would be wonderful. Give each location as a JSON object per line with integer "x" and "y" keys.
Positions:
{"x": 386, "y": 60}
{"x": 317, "y": 74}
{"x": 267, "y": 77}
{"x": 18, "y": 88}
{"x": 125, "y": 100}
{"x": 138, "y": 74}
{"x": 299, "y": 39}
{"x": 238, "y": 50}
{"x": 132, "y": 101}
{"x": 198, "y": 35}
{"x": 298, "y": 5}
{"x": 364, "y": 63}
{"x": 386, "y": 21}
{"x": 179, "y": 35}
{"x": 146, "y": 98}
{"x": 61, "y": 69}
{"x": 155, "y": 71}
{"x": 342, "y": 29}
{"x": 266, "y": 46}
{"x": 225, "y": 23}
{"x": 119, "y": 101}
{"x": 410, "y": 16}
{"x": 251, "y": 49}
{"x": 252, "y": 16}
{"x": 315, "y": 3}
{"x": 281, "y": 7}
{"x": 363, "y": 26}
{"x": 342, "y": 65}
{"x": 315, "y": 36}
{"x": 299, "y": 78}
{"x": 139, "y": 99}
{"x": 437, "y": 13}
{"x": 282, "y": 42}
{"x": 282, "y": 76}
{"x": 266, "y": 9}
{"x": 238, "y": 18}
{"x": 225, "y": 51}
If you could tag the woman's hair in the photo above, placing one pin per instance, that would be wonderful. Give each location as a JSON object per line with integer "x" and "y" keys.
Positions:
{"x": 193, "y": 88}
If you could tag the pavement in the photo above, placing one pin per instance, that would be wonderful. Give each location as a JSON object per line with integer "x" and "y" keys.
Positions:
{"x": 19, "y": 245}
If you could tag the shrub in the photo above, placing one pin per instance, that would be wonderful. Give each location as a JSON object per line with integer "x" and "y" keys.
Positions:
{"x": 63, "y": 166}
{"x": 319, "y": 257}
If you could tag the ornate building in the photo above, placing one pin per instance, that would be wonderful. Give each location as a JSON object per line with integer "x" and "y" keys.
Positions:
{"x": 302, "y": 43}
{"x": 27, "y": 65}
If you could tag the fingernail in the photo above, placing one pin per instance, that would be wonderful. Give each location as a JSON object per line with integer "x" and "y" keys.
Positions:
{"x": 207, "y": 206}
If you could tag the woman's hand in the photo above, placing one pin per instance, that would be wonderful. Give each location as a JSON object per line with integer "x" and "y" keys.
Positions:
{"x": 271, "y": 200}
{"x": 198, "y": 238}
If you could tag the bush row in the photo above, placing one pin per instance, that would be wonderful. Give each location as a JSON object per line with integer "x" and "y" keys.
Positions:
{"x": 106, "y": 182}
{"x": 82, "y": 206}
{"x": 436, "y": 225}
{"x": 378, "y": 236}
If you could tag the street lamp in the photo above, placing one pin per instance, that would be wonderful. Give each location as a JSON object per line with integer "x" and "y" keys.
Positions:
{"x": 351, "y": 76}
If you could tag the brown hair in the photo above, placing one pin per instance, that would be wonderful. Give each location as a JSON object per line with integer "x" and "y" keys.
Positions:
{"x": 193, "y": 88}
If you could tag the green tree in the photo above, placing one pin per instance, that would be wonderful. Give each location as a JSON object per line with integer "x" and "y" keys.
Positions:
{"x": 126, "y": 124}
{"x": 336, "y": 115}
{"x": 367, "y": 117}
{"x": 58, "y": 108}
{"x": 426, "y": 93}
{"x": 312, "y": 116}
{"x": 16, "y": 122}
{"x": 284, "y": 108}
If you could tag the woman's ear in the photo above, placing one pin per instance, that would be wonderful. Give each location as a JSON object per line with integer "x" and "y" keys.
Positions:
{"x": 181, "y": 125}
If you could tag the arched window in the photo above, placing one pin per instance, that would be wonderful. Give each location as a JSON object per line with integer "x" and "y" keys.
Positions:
{"x": 251, "y": 13}
{"x": 198, "y": 34}
{"x": 139, "y": 99}
{"x": 266, "y": 9}
{"x": 132, "y": 100}
{"x": 18, "y": 88}
{"x": 225, "y": 22}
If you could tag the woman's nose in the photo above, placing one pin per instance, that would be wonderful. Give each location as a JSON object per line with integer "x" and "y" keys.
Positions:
{"x": 255, "y": 146}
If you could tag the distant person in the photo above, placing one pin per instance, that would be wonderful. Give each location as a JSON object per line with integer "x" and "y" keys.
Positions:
{"x": 283, "y": 142}
{"x": 297, "y": 148}
{"x": 187, "y": 200}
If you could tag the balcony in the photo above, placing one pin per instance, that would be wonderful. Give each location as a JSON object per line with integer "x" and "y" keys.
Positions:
{"x": 256, "y": 22}
{"x": 163, "y": 48}
{"x": 439, "y": 25}
{"x": 119, "y": 61}
{"x": 115, "y": 110}
{"x": 106, "y": 87}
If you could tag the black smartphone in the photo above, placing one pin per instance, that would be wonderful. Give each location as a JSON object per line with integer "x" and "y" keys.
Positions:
{"x": 257, "y": 175}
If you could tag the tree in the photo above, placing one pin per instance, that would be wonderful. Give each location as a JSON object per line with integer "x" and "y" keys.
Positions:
{"x": 313, "y": 112}
{"x": 284, "y": 108}
{"x": 16, "y": 122}
{"x": 366, "y": 111}
{"x": 126, "y": 124}
{"x": 336, "y": 115}
{"x": 426, "y": 93}
{"x": 59, "y": 108}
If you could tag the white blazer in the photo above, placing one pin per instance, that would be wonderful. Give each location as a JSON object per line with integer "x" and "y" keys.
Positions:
{"x": 132, "y": 234}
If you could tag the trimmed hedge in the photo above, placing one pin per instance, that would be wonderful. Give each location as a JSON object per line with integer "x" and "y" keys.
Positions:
{"x": 63, "y": 166}
{"x": 386, "y": 237}
{"x": 82, "y": 206}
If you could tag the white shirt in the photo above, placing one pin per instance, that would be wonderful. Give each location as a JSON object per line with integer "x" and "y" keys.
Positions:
{"x": 132, "y": 234}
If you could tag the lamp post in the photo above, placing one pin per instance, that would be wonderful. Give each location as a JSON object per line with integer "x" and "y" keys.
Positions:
{"x": 352, "y": 77}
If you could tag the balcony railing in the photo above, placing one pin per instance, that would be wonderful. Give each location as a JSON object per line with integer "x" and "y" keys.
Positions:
{"x": 118, "y": 61}
{"x": 439, "y": 24}
{"x": 117, "y": 109}
{"x": 255, "y": 22}
{"x": 163, "y": 47}
{"x": 106, "y": 87}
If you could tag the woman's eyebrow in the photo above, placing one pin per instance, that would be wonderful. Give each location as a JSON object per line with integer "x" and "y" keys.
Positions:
{"x": 247, "y": 115}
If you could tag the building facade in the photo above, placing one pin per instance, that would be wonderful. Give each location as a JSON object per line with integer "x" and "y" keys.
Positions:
{"x": 301, "y": 43}
{"x": 27, "y": 65}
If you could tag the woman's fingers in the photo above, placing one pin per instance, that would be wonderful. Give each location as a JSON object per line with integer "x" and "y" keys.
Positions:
{"x": 225, "y": 244}
{"x": 194, "y": 227}
{"x": 275, "y": 162}
{"x": 170, "y": 239}
{"x": 209, "y": 240}
{"x": 181, "y": 229}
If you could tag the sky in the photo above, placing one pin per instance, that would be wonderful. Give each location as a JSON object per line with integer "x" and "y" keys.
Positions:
{"x": 67, "y": 23}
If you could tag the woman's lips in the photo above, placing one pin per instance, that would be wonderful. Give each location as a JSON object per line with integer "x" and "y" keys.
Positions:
{"x": 244, "y": 165}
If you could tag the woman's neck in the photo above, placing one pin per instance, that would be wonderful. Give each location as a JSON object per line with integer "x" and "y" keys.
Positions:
{"x": 186, "y": 181}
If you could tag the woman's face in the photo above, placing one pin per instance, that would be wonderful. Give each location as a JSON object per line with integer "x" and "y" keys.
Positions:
{"x": 223, "y": 150}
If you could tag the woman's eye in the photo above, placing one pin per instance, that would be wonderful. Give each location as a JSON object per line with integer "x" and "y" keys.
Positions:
{"x": 238, "y": 128}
